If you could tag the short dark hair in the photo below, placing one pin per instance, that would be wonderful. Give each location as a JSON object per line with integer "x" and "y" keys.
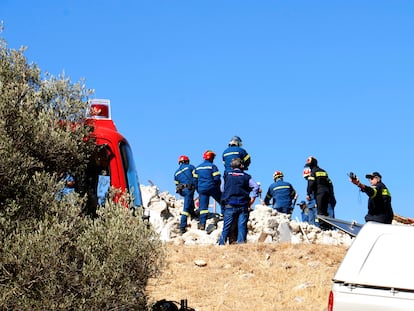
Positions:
{"x": 236, "y": 163}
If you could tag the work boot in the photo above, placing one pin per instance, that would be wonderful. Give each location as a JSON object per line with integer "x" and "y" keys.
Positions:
{"x": 195, "y": 215}
{"x": 210, "y": 228}
{"x": 201, "y": 227}
{"x": 324, "y": 226}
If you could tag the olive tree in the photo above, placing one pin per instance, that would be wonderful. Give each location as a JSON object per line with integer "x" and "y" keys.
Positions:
{"x": 53, "y": 256}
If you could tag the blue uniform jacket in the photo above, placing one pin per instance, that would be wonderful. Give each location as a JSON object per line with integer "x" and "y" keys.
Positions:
{"x": 184, "y": 174}
{"x": 207, "y": 176}
{"x": 235, "y": 152}
{"x": 237, "y": 189}
{"x": 282, "y": 194}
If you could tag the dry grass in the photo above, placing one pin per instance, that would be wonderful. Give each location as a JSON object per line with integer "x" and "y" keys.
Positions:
{"x": 249, "y": 277}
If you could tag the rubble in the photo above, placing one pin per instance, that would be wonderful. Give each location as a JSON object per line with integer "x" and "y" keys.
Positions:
{"x": 265, "y": 224}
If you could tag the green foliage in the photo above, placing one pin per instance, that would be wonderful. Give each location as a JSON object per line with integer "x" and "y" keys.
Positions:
{"x": 52, "y": 256}
{"x": 76, "y": 263}
{"x": 41, "y": 132}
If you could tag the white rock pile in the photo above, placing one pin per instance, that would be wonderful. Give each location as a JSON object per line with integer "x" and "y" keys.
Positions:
{"x": 265, "y": 224}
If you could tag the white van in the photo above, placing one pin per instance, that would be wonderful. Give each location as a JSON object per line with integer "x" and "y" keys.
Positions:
{"x": 377, "y": 272}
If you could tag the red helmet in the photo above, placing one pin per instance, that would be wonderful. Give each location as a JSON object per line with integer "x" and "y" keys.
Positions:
{"x": 209, "y": 155}
{"x": 277, "y": 175}
{"x": 306, "y": 172}
{"x": 183, "y": 159}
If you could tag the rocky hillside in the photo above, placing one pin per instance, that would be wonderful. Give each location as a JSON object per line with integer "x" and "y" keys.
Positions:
{"x": 265, "y": 224}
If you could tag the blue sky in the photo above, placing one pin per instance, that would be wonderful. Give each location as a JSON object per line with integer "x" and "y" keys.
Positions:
{"x": 332, "y": 79}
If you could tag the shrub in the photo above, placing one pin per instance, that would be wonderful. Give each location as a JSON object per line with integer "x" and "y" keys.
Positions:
{"x": 53, "y": 257}
{"x": 68, "y": 262}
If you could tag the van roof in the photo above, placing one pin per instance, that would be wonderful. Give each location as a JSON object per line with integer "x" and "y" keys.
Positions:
{"x": 380, "y": 255}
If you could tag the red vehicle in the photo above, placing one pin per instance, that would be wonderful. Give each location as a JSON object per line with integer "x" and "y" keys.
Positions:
{"x": 114, "y": 161}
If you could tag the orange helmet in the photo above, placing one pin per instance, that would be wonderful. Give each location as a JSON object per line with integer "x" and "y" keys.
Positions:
{"x": 277, "y": 175}
{"x": 306, "y": 172}
{"x": 183, "y": 159}
{"x": 209, "y": 155}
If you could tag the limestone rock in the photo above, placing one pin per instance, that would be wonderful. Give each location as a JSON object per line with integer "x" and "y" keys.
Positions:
{"x": 265, "y": 224}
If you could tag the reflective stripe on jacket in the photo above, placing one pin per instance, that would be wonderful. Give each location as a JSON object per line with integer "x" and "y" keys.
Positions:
{"x": 184, "y": 174}
{"x": 207, "y": 176}
{"x": 282, "y": 194}
{"x": 235, "y": 152}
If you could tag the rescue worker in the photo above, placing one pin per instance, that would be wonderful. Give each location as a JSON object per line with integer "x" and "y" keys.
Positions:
{"x": 69, "y": 185}
{"x": 304, "y": 211}
{"x": 310, "y": 204}
{"x": 332, "y": 202}
{"x": 281, "y": 193}
{"x": 185, "y": 186}
{"x": 207, "y": 181}
{"x": 379, "y": 202}
{"x": 320, "y": 186}
{"x": 69, "y": 182}
{"x": 237, "y": 202}
{"x": 235, "y": 150}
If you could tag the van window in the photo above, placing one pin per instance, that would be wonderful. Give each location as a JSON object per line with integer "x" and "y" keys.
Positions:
{"x": 104, "y": 182}
{"x": 130, "y": 173}
{"x": 101, "y": 157}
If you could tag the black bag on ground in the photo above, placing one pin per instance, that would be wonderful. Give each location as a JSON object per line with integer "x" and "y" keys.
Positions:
{"x": 169, "y": 305}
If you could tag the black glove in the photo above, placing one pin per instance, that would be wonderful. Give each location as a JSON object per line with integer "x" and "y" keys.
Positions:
{"x": 353, "y": 178}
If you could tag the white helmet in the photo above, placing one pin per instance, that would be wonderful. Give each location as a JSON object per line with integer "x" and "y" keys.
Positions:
{"x": 235, "y": 141}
